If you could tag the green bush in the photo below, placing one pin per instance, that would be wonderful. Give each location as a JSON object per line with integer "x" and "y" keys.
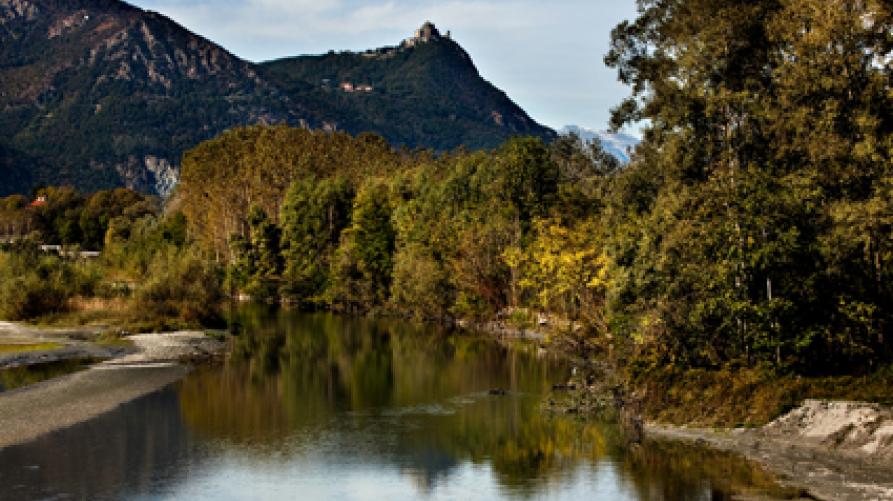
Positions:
{"x": 182, "y": 285}
{"x": 33, "y": 285}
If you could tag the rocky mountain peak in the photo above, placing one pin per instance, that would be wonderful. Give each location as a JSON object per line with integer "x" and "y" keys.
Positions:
{"x": 118, "y": 93}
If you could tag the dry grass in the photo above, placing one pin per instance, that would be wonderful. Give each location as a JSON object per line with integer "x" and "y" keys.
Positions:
{"x": 748, "y": 397}
{"x": 113, "y": 315}
{"x": 86, "y": 305}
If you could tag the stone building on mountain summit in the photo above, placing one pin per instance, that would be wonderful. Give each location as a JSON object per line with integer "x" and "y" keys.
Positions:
{"x": 427, "y": 33}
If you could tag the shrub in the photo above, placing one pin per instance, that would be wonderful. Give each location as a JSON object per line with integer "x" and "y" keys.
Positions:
{"x": 32, "y": 285}
{"x": 182, "y": 285}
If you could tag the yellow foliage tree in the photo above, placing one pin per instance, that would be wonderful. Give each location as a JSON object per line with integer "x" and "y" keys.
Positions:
{"x": 564, "y": 270}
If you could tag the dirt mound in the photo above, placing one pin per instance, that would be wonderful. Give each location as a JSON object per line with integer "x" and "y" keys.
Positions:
{"x": 856, "y": 427}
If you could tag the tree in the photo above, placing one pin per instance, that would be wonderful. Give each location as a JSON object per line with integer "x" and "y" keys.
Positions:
{"x": 363, "y": 263}
{"x": 523, "y": 173}
{"x": 421, "y": 283}
{"x": 56, "y": 222}
{"x": 103, "y": 206}
{"x": 565, "y": 271}
{"x": 480, "y": 275}
{"x": 768, "y": 126}
{"x": 257, "y": 264}
{"x": 314, "y": 214}
{"x": 832, "y": 110}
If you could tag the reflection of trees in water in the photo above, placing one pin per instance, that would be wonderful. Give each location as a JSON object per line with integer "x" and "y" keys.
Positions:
{"x": 120, "y": 453}
{"x": 298, "y": 369}
{"x": 293, "y": 373}
{"x": 525, "y": 449}
{"x": 18, "y": 377}
{"x": 671, "y": 470}
{"x": 386, "y": 391}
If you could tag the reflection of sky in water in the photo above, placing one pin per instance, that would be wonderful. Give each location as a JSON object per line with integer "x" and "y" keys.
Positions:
{"x": 314, "y": 477}
{"x": 326, "y": 408}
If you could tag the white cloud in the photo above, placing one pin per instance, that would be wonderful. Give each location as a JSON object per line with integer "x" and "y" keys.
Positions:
{"x": 249, "y": 27}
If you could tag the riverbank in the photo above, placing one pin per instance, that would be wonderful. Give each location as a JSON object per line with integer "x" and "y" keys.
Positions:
{"x": 831, "y": 437}
{"x": 138, "y": 366}
{"x": 826, "y": 449}
{"x": 814, "y": 467}
{"x": 823, "y": 449}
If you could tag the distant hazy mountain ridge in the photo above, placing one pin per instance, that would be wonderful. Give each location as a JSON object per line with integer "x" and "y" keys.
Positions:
{"x": 620, "y": 146}
{"x": 100, "y": 94}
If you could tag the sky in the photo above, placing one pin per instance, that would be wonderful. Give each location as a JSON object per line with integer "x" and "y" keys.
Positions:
{"x": 545, "y": 54}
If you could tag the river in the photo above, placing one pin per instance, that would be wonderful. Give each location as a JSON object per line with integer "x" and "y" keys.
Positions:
{"x": 320, "y": 406}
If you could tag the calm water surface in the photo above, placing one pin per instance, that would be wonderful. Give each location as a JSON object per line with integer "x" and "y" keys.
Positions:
{"x": 18, "y": 377}
{"x": 327, "y": 407}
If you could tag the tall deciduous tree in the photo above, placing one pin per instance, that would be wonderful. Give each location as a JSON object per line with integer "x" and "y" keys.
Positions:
{"x": 313, "y": 215}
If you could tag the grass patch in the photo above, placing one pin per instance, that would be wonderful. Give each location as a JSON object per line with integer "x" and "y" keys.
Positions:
{"x": 29, "y": 347}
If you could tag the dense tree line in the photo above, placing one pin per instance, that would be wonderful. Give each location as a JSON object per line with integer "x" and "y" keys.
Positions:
{"x": 332, "y": 221}
{"x": 754, "y": 226}
{"x": 64, "y": 216}
{"x": 326, "y": 219}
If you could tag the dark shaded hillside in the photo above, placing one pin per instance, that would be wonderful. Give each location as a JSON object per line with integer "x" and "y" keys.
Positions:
{"x": 109, "y": 95}
{"x": 423, "y": 93}
{"x": 14, "y": 177}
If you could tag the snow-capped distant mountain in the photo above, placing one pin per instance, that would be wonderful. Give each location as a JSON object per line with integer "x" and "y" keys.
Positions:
{"x": 619, "y": 145}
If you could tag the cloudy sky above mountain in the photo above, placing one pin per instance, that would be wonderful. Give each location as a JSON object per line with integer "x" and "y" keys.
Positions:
{"x": 546, "y": 55}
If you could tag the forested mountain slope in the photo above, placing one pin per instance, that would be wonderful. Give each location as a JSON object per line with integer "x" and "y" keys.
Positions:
{"x": 424, "y": 92}
{"x": 99, "y": 94}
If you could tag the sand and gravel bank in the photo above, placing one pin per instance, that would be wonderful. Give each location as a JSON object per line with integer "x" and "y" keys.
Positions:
{"x": 145, "y": 364}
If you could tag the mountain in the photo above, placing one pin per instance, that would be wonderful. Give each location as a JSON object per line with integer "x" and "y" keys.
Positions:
{"x": 99, "y": 94}
{"x": 424, "y": 92}
{"x": 14, "y": 178}
{"x": 620, "y": 146}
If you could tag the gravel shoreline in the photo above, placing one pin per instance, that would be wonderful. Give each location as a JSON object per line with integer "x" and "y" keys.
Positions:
{"x": 74, "y": 344}
{"x": 153, "y": 362}
{"x": 36, "y": 410}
